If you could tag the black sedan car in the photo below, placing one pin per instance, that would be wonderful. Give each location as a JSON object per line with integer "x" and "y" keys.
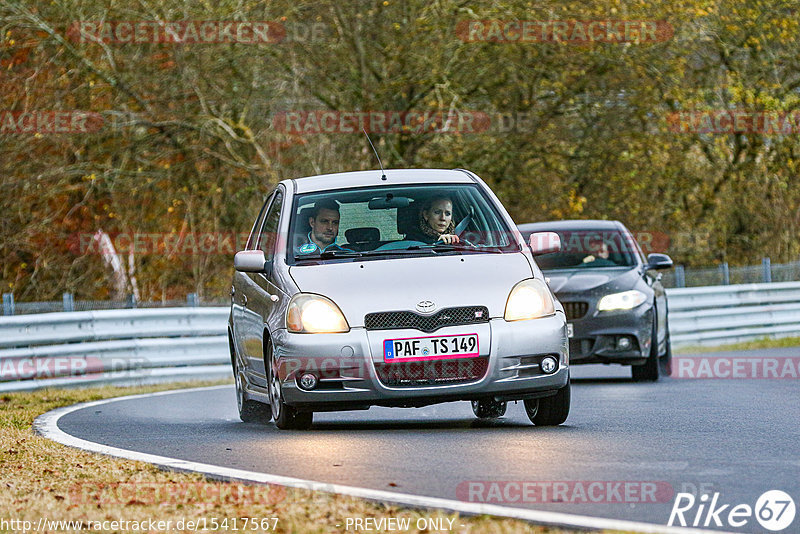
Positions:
{"x": 615, "y": 304}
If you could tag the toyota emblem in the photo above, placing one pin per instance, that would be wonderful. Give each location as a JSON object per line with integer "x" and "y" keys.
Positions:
{"x": 426, "y": 306}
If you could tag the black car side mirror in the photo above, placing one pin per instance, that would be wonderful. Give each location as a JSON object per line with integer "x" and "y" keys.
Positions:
{"x": 658, "y": 262}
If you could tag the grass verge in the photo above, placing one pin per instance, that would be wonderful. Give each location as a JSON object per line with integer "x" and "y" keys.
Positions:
{"x": 44, "y": 480}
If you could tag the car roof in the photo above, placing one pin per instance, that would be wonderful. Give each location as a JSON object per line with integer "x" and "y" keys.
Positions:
{"x": 572, "y": 224}
{"x": 346, "y": 180}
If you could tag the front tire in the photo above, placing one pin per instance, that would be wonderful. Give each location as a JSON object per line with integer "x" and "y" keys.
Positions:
{"x": 666, "y": 359}
{"x": 649, "y": 371}
{"x": 250, "y": 411}
{"x": 488, "y": 408}
{"x": 286, "y": 417}
{"x": 549, "y": 411}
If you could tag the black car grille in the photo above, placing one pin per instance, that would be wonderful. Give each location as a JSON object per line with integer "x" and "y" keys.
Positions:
{"x": 575, "y": 310}
{"x": 432, "y": 372}
{"x": 580, "y": 348}
{"x": 427, "y": 323}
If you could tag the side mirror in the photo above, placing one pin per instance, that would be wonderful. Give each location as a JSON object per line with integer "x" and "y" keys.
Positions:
{"x": 658, "y": 262}
{"x": 249, "y": 261}
{"x": 544, "y": 243}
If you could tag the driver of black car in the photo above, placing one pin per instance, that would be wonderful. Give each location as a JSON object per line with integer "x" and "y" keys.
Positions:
{"x": 599, "y": 254}
{"x": 435, "y": 222}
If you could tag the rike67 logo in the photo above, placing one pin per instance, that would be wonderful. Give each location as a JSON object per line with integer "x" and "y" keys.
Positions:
{"x": 774, "y": 510}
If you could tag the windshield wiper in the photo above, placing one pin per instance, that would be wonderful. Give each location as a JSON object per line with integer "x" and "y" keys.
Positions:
{"x": 328, "y": 254}
{"x": 452, "y": 247}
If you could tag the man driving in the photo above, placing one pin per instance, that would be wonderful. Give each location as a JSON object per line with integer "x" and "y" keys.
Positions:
{"x": 598, "y": 254}
{"x": 324, "y": 223}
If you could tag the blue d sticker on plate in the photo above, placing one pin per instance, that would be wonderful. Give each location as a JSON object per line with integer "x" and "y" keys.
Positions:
{"x": 308, "y": 248}
{"x": 388, "y": 349}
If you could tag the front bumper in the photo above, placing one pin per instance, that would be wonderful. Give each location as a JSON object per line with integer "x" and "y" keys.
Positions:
{"x": 595, "y": 335}
{"x": 348, "y": 379}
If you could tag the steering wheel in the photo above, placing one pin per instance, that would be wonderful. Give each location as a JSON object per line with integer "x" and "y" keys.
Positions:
{"x": 399, "y": 245}
{"x": 460, "y": 242}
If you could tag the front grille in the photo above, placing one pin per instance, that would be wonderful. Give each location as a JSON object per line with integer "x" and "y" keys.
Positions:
{"x": 580, "y": 348}
{"x": 427, "y": 323}
{"x": 432, "y": 372}
{"x": 575, "y": 310}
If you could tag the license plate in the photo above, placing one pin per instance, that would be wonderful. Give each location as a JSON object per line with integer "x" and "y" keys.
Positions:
{"x": 570, "y": 330}
{"x": 430, "y": 348}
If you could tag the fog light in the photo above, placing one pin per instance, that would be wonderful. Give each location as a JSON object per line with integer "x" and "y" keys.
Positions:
{"x": 623, "y": 343}
{"x": 308, "y": 382}
{"x": 549, "y": 365}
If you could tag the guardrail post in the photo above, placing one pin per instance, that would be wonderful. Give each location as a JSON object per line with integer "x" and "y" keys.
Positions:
{"x": 765, "y": 265}
{"x": 131, "y": 301}
{"x": 726, "y": 273}
{"x": 8, "y": 303}
{"x": 191, "y": 300}
{"x": 680, "y": 276}
{"x": 69, "y": 302}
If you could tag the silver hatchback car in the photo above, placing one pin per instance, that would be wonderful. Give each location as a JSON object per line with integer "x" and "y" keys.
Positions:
{"x": 404, "y": 288}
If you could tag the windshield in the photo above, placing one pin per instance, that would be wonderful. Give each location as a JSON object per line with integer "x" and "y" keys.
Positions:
{"x": 589, "y": 249}
{"x": 396, "y": 221}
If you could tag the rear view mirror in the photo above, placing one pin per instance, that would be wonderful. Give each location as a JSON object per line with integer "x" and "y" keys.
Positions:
{"x": 658, "y": 261}
{"x": 387, "y": 202}
{"x": 249, "y": 261}
{"x": 544, "y": 243}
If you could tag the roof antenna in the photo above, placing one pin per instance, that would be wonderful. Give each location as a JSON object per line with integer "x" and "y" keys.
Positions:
{"x": 383, "y": 174}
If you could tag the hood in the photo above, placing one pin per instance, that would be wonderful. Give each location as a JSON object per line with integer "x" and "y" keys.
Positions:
{"x": 363, "y": 287}
{"x": 587, "y": 280}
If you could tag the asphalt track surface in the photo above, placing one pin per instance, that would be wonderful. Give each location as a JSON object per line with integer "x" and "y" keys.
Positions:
{"x": 738, "y": 437}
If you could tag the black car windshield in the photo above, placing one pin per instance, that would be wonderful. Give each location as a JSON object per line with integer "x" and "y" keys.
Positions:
{"x": 392, "y": 221}
{"x": 589, "y": 249}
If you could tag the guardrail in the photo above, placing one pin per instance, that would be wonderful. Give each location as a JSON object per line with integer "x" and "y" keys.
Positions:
{"x": 146, "y": 345}
{"x": 718, "y": 315}
{"x": 112, "y": 346}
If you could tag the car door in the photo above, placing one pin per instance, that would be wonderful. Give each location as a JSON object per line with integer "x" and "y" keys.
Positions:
{"x": 258, "y": 292}
{"x": 238, "y": 288}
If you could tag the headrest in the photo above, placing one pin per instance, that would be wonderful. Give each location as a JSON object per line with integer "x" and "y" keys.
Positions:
{"x": 302, "y": 219}
{"x": 362, "y": 235}
{"x": 407, "y": 219}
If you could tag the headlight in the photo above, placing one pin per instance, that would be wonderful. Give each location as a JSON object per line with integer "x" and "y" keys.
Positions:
{"x": 314, "y": 314}
{"x": 529, "y": 299}
{"x": 627, "y": 300}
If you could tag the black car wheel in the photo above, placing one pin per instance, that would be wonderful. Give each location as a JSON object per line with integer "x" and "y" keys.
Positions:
{"x": 286, "y": 417}
{"x": 666, "y": 359}
{"x": 488, "y": 408}
{"x": 549, "y": 411}
{"x": 649, "y": 371}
